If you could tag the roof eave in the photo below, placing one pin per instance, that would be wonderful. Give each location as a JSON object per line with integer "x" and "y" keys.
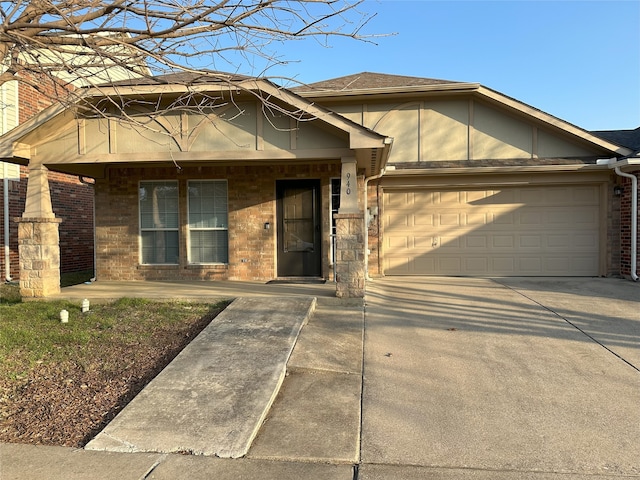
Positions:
{"x": 631, "y": 164}
{"x": 445, "y": 87}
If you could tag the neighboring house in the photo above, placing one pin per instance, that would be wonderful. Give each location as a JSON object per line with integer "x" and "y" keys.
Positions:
{"x": 71, "y": 194}
{"x": 459, "y": 180}
{"x": 72, "y": 199}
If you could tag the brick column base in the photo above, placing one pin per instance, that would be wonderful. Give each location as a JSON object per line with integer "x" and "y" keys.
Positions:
{"x": 39, "y": 251}
{"x": 350, "y": 269}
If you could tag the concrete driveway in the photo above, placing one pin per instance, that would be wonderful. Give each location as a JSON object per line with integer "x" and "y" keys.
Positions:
{"x": 497, "y": 379}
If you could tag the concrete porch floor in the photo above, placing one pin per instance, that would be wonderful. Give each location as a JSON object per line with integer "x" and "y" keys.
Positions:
{"x": 103, "y": 291}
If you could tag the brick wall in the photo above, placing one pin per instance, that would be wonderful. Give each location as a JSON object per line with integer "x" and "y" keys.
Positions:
{"x": 374, "y": 199}
{"x": 625, "y": 228}
{"x": 251, "y": 197}
{"x": 72, "y": 202}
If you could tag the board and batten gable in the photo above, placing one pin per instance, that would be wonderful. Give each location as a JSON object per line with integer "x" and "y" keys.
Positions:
{"x": 243, "y": 131}
{"x": 460, "y": 128}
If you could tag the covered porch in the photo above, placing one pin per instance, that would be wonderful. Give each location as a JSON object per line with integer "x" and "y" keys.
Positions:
{"x": 213, "y": 190}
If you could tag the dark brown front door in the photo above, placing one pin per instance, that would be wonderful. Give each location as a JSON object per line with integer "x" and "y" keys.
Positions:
{"x": 298, "y": 203}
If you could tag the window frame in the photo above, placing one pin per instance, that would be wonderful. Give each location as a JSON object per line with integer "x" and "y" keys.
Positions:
{"x": 190, "y": 229}
{"x": 142, "y": 229}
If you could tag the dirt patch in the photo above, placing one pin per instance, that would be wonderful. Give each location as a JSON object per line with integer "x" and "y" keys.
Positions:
{"x": 68, "y": 402}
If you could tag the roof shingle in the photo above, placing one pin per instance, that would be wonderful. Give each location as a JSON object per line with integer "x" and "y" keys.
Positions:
{"x": 369, "y": 80}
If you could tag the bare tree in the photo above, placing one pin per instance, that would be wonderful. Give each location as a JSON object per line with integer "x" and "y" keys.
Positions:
{"x": 57, "y": 45}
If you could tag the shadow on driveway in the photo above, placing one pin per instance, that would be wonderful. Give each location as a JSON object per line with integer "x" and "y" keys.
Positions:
{"x": 493, "y": 375}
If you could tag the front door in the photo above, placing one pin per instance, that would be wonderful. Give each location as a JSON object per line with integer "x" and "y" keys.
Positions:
{"x": 299, "y": 251}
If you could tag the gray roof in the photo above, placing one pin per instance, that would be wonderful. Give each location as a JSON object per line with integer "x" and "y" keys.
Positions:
{"x": 184, "y": 78}
{"x": 369, "y": 80}
{"x": 626, "y": 138}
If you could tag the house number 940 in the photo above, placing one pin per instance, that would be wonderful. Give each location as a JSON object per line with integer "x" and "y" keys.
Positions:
{"x": 348, "y": 184}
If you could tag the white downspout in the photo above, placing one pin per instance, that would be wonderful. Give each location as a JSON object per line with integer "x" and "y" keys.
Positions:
{"x": 7, "y": 249}
{"x": 634, "y": 222}
{"x": 5, "y": 195}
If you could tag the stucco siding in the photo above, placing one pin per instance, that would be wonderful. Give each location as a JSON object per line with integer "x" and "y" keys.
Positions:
{"x": 552, "y": 146}
{"x": 499, "y": 136}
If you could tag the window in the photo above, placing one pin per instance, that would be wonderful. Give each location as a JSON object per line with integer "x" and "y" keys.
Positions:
{"x": 208, "y": 222}
{"x": 159, "y": 222}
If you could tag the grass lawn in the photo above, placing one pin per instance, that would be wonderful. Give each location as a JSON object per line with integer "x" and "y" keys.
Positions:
{"x": 61, "y": 383}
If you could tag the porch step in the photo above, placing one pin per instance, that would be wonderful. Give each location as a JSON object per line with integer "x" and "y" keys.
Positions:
{"x": 213, "y": 397}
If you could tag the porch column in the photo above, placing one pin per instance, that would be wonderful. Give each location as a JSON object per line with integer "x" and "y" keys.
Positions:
{"x": 38, "y": 239}
{"x": 350, "y": 265}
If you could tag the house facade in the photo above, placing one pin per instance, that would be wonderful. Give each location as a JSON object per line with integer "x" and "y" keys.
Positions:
{"x": 480, "y": 184}
{"x": 369, "y": 174}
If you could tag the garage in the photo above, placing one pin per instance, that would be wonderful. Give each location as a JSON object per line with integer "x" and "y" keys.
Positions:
{"x": 546, "y": 230}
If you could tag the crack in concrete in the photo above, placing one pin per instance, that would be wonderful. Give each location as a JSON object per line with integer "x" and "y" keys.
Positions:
{"x": 565, "y": 319}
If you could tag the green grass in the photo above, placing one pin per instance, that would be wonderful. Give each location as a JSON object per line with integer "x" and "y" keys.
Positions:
{"x": 75, "y": 278}
{"x": 31, "y": 332}
{"x": 10, "y": 292}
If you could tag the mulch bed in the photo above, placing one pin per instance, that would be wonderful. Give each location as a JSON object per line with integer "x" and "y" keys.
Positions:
{"x": 67, "y": 404}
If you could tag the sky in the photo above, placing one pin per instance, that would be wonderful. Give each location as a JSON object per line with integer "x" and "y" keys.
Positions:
{"x": 577, "y": 60}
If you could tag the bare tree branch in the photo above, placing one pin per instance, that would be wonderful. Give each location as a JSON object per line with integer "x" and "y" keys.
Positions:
{"x": 61, "y": 47}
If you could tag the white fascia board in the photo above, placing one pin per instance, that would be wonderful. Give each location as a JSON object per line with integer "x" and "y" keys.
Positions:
{"x": 393, "y": 172}
{"x": 10, "y": 143}
{"x": 630, "y": 164}
{"x": 443, "y": 87}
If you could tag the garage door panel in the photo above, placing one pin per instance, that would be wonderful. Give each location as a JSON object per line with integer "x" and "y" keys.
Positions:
{"x": 449, "y": 219}
{"x": 588, "y": 241}
{"x": 477, "y": 219}
{"x": 530, "y": 241}
{"x": 503, "y": 241}
{"x": 422, "y": 263}
{"x": 449, "y": 243}
{"x": 398, "y": 264}
{"x": 503, "y": 264}
{"x": 476, "y": 241}
{"x": 398, "y": 242}
{"x": 504, "y": 219}
{"x": 423, "y": 220}
{"x": 476, "y": 265}
{"x": 451, "y": 264}
{"x": 547, "y": 230}
{"x": 530, "y": 265}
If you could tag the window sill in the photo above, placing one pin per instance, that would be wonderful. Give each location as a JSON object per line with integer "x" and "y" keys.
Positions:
{"x": 158, "y": 266}
{"x": 214, "y": 266}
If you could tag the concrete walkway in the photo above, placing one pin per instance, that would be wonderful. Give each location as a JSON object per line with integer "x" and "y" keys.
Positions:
{"x": 212, "y": 398}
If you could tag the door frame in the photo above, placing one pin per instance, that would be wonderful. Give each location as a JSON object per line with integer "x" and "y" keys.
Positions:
{"x": 310, "y": 262}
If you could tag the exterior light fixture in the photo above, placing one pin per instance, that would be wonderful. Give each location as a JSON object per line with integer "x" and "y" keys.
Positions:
{"x": 617, "y": 190}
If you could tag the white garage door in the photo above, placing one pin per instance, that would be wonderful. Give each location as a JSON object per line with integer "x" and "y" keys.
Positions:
{"x": 511, "y": 231}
